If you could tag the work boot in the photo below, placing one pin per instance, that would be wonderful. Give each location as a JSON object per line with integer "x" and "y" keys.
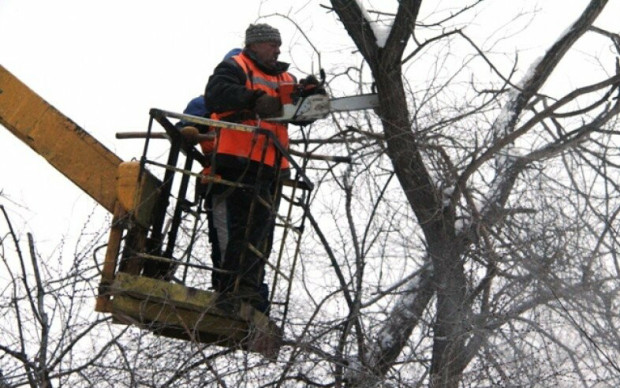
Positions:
{"x": 264, "y": 306}
{"x": 227, "y": 302}
{"x": 251, "y": 296}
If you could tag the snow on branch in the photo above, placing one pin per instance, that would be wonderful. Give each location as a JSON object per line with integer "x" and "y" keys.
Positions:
{"x": 380, "y": 29}
{"x": 393, "y": 336}
{"x": 379, "y": 41}
{"x": 503, "y": 128}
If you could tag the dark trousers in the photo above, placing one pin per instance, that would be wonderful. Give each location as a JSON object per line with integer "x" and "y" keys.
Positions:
{"x": 238, "y": 218}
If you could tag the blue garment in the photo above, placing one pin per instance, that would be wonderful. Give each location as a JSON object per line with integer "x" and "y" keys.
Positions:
{"x": 196, "y": 107}
{"x": 232, "y": 53}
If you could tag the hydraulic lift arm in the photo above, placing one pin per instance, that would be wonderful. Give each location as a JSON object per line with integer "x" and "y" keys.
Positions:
{"x": 66, "y": 146}
{"x": 99, "y": 172}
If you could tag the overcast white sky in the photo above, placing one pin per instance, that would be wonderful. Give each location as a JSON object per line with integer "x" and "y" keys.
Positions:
{"x": 104, "y": 64}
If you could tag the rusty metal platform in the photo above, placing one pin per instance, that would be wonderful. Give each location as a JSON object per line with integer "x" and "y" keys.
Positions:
{"x": 186, "y": 313}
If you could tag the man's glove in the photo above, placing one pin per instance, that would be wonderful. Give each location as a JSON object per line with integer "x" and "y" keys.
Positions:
{"x": 267, "y": 106}
{"x": 311, "y": 85}
{"x": 309, "y": 80}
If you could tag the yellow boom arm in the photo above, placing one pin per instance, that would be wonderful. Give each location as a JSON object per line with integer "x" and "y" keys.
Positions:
{"x": 64, "y": 144}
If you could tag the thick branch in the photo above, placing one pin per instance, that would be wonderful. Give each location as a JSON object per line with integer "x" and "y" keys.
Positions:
{"x": 533, "y": 82}
{"x": 352, "y": 18}
{"x": 506, "y": 179}
{"x": 393, "y": 336}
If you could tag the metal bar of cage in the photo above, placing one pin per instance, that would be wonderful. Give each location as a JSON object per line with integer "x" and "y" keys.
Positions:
{"x": 301, "y": 181}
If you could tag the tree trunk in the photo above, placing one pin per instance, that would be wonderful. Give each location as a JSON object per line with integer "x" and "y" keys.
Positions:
{"x": 449, "y": 326}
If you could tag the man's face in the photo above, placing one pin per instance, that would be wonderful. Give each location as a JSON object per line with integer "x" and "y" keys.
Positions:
{"x": 266, "y": 52}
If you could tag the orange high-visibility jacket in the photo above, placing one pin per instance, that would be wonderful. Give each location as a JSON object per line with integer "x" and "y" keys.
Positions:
{"x": 250, "y": 145}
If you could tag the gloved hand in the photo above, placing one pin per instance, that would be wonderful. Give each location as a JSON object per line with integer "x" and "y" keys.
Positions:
{"x": 309, "y": 80}
{"x": 311, "y": 85}
{"x": 267, "y": 106}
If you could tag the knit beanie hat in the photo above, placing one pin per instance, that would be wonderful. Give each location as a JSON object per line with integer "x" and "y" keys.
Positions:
{"x": 257, "y": 33}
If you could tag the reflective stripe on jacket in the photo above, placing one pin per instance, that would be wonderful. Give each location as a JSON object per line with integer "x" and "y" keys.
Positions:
{"x": 250, "y": 145}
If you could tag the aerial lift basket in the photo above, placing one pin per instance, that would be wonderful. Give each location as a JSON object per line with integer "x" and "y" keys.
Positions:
{"x": 139, "y": 284}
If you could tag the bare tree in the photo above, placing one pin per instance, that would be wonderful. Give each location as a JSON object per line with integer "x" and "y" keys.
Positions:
{"x": 472, "y": 243}
{"x": 48, "y": 331}
{"x": 508, "y": 214}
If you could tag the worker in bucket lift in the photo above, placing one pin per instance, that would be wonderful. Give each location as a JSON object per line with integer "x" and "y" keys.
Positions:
{"x": 244, "y": 89}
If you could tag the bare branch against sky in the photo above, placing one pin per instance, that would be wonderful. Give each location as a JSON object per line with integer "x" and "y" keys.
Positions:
{"x": 473, "y": 241}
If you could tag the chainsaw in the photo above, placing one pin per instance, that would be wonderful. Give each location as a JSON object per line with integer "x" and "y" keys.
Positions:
{"x": 305, "y": 104}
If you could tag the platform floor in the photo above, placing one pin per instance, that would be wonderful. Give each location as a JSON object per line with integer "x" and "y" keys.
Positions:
{"x": 175, "y": 311}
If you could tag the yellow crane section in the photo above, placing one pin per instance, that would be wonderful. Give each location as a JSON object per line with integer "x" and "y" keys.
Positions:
{"x": 64, "y": 144}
